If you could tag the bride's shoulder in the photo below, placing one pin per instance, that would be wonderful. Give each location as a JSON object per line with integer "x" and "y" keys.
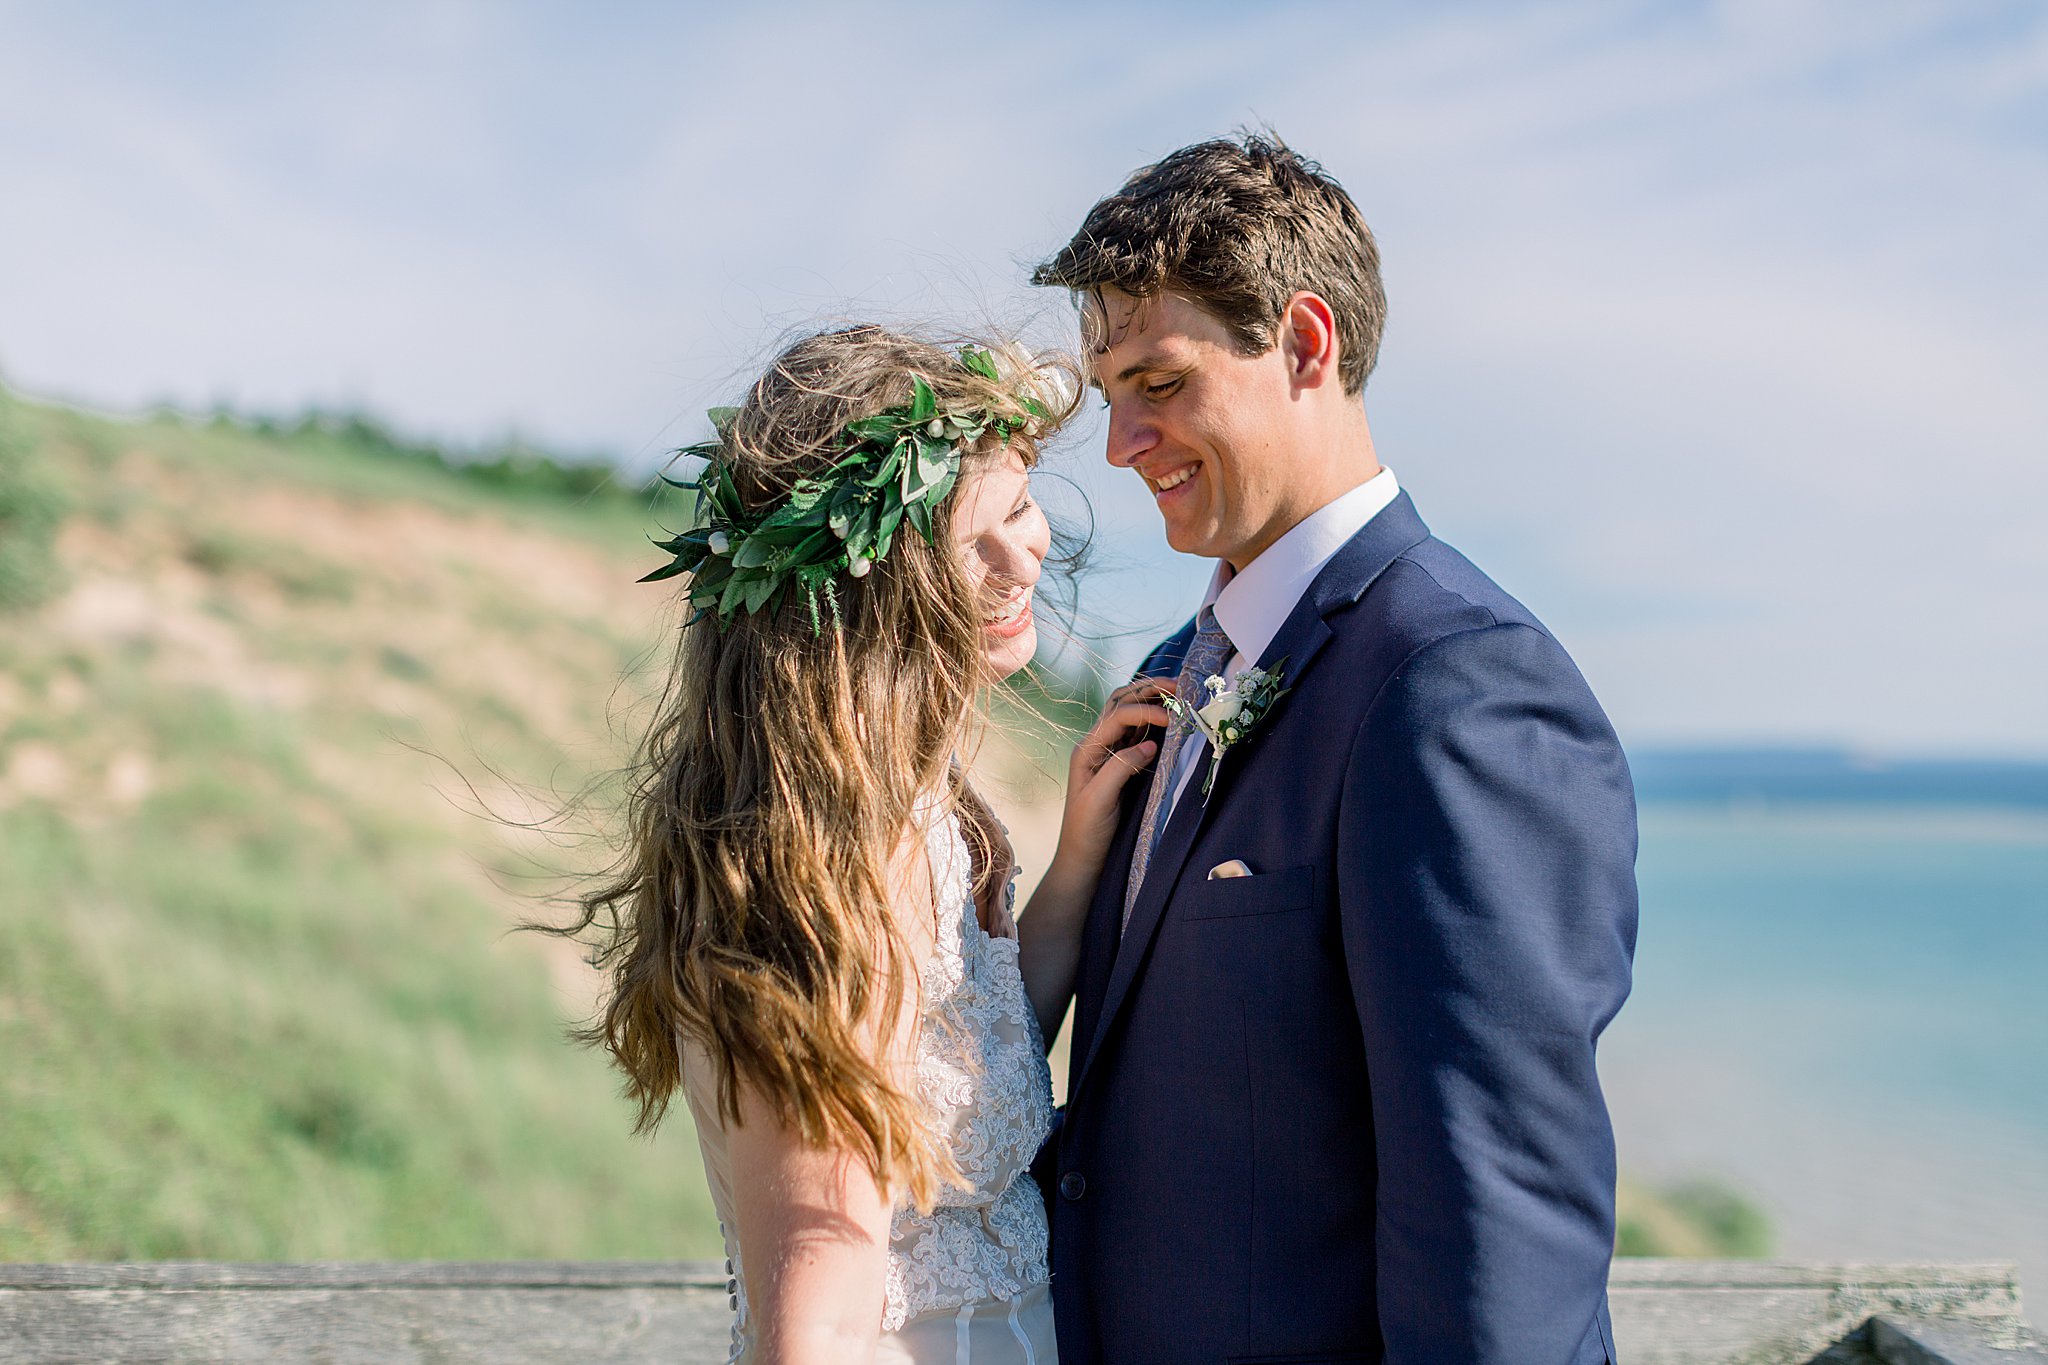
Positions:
{"x": 916, "y": 904}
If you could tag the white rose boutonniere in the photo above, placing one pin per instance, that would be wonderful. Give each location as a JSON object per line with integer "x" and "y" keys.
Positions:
{"x": 1232, "y": 712}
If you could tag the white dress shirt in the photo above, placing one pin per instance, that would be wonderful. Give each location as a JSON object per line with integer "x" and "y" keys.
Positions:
{"x": 1252, "y": 605}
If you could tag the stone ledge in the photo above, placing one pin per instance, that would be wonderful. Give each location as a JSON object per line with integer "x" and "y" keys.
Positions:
{"x": 512, "y": 1312}
{"x": 1940, "y": 1343}
{"x": 1793, "y": 1313}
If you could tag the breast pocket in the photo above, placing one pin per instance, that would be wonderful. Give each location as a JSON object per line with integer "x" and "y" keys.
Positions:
{"x": 1265, "y": 893}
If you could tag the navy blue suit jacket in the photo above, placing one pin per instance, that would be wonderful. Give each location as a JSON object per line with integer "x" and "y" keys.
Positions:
{"x": 1345, "y": 1109}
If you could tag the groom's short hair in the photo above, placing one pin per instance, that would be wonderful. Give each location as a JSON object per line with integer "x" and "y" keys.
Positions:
{"x": 1236, "y": 226}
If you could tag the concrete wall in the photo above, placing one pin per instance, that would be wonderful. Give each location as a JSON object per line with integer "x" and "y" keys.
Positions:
{"x": 509, "y": 1313}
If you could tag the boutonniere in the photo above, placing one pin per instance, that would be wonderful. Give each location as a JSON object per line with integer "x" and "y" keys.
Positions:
{"x": 1232, "y": 712}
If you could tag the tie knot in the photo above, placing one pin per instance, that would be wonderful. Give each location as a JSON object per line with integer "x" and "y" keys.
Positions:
{"x": 1209, "y": 650}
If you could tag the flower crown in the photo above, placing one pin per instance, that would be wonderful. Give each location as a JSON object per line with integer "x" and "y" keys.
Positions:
{"x": 899, "y": 464}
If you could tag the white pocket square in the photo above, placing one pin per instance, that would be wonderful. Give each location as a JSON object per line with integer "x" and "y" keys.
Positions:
{"x": 1234, "y": 868}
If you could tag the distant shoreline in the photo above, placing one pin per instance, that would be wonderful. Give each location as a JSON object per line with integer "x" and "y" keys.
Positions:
{"x": 1835, "y": 776}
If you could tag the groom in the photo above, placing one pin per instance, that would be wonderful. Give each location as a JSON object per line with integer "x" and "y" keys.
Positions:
{"x": 1333, "y": 1094}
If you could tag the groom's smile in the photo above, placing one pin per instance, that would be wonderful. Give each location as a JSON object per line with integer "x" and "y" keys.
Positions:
{"x": 1166, "y": 483}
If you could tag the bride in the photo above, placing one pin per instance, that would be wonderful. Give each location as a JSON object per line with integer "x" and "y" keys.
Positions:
{"x": 810, "y": 935}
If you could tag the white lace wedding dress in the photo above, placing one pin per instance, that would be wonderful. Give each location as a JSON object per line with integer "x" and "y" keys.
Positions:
{"x": 967, "y": 1281}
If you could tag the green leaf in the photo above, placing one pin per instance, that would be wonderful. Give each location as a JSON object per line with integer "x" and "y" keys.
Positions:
{"x": 886, "y": 471}
{"x": 934, "y": 458}
{"x": 665, "y": 571}
{"x": 726, "y": 499}
{"x": 920, "y": 514}
{"x": 778, "y": 537}
{"x": 753, "y": 552}
{"x": 881, "y": 428}
{"x": 757, "y": 595}
{"x": 860, "y": 537}
{"x": 840, "y": 515}
{"x": 909, "y": 485}
{"x": 735, "y": 592}
{"x": 794, "y": 514}
{"x": 978, "y": 361}
{"x": 885, "y": 534}
{"x": 704, "y": 451}
{"x": 713, "y": 573}
{"x": 722, "y": 418}
{"x": 807, "y": 494}
{"x": 821, "y": 545}
{"x": 923, "y": 403}
{"x": 800, "y": 518}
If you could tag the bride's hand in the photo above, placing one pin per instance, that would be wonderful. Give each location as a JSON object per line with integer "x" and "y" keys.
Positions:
{"x": 1103, "y": 762}
{"x": 1049, "y": 931}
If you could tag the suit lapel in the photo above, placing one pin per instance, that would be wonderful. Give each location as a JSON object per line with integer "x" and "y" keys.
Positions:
{"x": 1396, "y": 530}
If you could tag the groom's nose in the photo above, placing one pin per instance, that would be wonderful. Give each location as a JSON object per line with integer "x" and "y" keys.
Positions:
{"x": 1129, "y": 435}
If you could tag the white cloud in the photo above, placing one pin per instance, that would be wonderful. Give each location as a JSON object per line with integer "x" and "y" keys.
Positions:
{"x": 1715, "y": 329}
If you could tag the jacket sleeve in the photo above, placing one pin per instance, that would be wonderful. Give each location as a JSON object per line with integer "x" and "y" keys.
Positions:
{"x": 1486, "y": 882}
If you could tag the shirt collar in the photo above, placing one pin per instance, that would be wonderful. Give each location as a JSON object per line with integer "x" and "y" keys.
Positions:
{"x": 1252, "y": 604}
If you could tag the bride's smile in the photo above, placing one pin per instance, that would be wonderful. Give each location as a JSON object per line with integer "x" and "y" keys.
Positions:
{"x": 1002, "y": 537}
{"x": 1012, "y": 619}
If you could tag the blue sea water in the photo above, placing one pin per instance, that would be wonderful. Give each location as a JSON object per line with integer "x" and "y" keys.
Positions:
{"x": 1841, "y": 1006}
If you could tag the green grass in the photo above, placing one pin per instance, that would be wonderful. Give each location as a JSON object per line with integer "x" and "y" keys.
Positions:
{"x": 31, "y": 507}
{"x": 356, "y": 457}
{"x": 273, "y": 1010}
{"x": 250, "y": 1023}
{"x": 1699, "y": 1217}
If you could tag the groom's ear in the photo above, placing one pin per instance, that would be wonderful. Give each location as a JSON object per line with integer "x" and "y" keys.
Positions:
{"x": 1308, "y": 339}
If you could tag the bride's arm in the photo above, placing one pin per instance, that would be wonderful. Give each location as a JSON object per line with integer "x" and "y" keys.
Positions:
{"x": 813, "y": 1227}
{"x": 814, "y": 1239}
{"x": 1049, "y": 930}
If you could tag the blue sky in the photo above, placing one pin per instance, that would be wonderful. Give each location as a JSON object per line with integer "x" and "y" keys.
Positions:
{"x": 1717, "y": 331}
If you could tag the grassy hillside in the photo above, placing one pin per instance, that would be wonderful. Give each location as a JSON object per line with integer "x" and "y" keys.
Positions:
{"x": 257, "y": 995}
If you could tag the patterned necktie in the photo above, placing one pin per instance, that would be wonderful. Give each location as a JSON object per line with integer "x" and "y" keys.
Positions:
{"x": 1207, "y": 653}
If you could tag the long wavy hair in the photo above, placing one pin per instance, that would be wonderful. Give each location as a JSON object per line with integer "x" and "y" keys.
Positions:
{"x": 784, "y": 770}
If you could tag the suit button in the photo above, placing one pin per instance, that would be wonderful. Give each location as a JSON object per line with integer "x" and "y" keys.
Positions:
{"x": 1073, "y": 1185}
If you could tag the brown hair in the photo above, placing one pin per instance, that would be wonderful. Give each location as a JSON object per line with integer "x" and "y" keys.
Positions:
{"x": 1237, "y": 227}
{"x": 785, "y": 768}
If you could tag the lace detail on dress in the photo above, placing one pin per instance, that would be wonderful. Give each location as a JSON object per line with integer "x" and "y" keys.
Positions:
{"x": 735, "y": 1295}
{"x": 982, "y": 1074}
